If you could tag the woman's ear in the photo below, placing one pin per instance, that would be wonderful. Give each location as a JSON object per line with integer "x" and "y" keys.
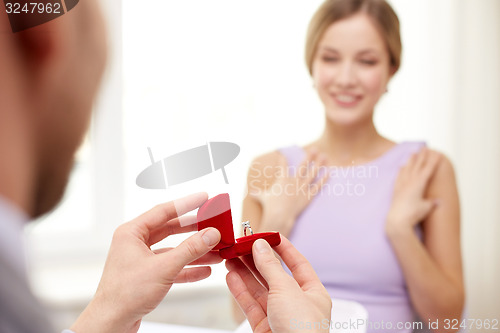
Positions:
{"x": 392, "y": 71}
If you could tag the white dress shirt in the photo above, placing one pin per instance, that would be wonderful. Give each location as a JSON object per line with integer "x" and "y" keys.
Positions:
{"x": 12, "y": 240}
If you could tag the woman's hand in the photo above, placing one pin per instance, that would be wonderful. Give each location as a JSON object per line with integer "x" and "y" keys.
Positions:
{"x": 272, "y": 300}
{"x": 409, "y": 205}
{"x": 136, "y": 279}
{"x": 291, "y": 191}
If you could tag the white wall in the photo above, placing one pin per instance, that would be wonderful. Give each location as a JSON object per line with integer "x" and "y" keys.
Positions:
{"x": 477, "y": 146}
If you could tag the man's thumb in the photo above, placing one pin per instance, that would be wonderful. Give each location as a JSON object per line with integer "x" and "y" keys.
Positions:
{"x": 266, "y": 262}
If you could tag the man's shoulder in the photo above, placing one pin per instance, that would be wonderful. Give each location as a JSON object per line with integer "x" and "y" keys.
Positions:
{"x": 20, "y": 311}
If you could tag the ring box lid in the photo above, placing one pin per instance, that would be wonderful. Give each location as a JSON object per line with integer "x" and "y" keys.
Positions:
{"x": 216, "y": 213}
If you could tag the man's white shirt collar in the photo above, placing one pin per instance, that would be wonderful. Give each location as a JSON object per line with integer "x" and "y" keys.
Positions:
{"x": 12, "y": 240}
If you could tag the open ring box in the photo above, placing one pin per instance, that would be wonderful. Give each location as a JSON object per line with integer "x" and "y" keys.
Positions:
{"x": 216, "y": 213}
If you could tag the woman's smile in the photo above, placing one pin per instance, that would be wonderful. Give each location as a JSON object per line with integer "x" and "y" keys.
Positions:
{"x": 346, "y": 100}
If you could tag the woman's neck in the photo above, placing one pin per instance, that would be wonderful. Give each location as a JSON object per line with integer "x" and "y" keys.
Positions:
{"x": 348, "y": 145}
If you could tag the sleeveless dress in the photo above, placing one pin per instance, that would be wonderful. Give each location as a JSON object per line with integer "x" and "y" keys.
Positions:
{"x": 341, "y": 232}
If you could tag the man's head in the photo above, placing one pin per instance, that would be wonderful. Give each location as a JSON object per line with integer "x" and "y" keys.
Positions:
{"x": 49, "y": 76}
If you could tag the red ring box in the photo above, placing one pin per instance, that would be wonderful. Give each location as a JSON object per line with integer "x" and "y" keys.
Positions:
{"x": 216, "y": 213}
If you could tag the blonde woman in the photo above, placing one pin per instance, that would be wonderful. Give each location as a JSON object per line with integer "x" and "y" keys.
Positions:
{"x": 378, "y": 220}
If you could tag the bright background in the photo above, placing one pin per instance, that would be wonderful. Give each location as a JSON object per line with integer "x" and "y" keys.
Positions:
{"x": 184, "y": 73}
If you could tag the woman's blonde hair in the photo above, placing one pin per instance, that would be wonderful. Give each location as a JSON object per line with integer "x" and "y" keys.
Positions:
{"x": 332, "y": 11}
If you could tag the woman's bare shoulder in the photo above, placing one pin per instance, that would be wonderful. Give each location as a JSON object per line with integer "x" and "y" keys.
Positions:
{"x": 263, "y": 169}
{"x": 444, "y": 172}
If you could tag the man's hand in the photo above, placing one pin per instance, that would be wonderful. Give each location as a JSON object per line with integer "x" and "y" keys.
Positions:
{"x": 135, "y": 278}
{"x": 272, "y": 300}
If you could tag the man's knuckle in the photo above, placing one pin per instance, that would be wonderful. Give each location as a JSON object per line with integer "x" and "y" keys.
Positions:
{"x": 270, "y": 261}
{"x": 120, "y": 231}
{"x": 192, "y": 249}
{"x": 163, "y": 211}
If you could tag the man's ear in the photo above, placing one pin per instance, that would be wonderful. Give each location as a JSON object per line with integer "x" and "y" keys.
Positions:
{"x": 36, "y": 45}
{"x": 40, "y": 47}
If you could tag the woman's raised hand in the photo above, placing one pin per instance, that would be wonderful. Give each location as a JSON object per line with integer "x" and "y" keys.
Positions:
{"x": 409, "y": 205}
{"x": 290, "y": 193}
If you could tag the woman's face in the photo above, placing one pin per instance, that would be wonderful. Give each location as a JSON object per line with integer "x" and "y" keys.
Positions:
{"x": 351, "y": 69}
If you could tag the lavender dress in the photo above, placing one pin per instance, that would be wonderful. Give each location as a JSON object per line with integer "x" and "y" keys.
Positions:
{"x": 341, "y": 232}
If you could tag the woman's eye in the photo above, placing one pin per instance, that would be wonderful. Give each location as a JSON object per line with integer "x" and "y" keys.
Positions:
{"x": 330, "y": 59}
{"x": 368, "y": 62}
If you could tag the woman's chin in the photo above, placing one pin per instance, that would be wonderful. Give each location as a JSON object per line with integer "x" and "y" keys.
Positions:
{"x": 347, "y": 117}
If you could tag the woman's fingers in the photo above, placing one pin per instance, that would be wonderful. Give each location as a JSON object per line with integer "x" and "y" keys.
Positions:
{"x": 313, "y": 174}
{"x": 420, "y": 168}
{"x": 282, "y": 162}
{"x": 304, "y": 167}
{"x": 406, "y": 170}
{"x": 316, "y": 169}
{"x": 420, "y": 159}
{"x": 430, "y": 167}
{"x": 321, "y": 179}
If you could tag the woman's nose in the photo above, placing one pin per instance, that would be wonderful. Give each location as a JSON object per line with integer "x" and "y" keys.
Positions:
{"x": 346, "y": 76}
